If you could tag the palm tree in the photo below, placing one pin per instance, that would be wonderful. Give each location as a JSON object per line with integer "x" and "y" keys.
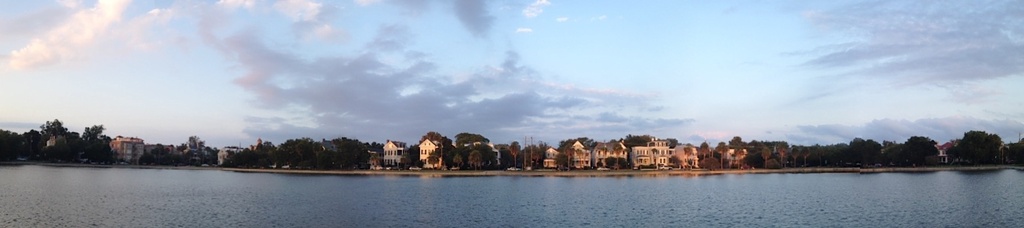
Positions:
{"x": 723, "y": 151}
{"x": 705, "y": 149}
{"x": 766, "y": 154}
{"x": 433, "y": 159}
{"x": 476, "y": 159}
{"x": 782, "y": 155}
{"x": 740, "y": 155}
{"x": 457, "y": 160}
{"x": 513, "y": 150}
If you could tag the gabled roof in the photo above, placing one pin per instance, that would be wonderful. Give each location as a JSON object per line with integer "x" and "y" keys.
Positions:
{"x": 328, "y": 145}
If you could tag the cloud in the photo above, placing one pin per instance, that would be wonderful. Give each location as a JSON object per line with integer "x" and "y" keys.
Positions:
{"x": 534, "y": 10}
{"x": 67, "y": 40}
{"x": 311, "y": 20}
{"x": 361, "y": 95}
{"x": 938, "y": 129}
{"x": 474, "y": 16}
{"x": 524, "y": 30}
{"x": 367, "y": 2}
{"x": 914, "y": 43}
{"x": 562, "y": 19}
{"x": 233, "y": 4}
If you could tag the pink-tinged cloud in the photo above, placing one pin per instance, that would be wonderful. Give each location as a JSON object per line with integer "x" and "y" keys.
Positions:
{"x": 68, "y": 39}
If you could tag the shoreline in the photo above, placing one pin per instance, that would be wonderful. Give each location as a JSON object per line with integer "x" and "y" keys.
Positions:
{"x": 545, "y": 173}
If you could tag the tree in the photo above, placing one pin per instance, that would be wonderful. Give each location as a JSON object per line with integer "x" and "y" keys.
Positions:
{"x": 432, "y": 136}
{"x": 611, "y": 162}
{"x": 476, "y": 158}
{"x": 916, "y": 148}
{"x": 704, "y": 150}
{"x": 457, "y": 159}
{"x": 978, "y": 147}
{"x": 723, "y": 152}
{"x": 765, "y": 154}
{"x": 434, "y": 158}
{"x": 513, "y": 150}
{"x": 870, "y": 151}
{"x": 636, "y": 140}
{"x": 711, "y": 163}
{"x": 351, "y": 152}
{"x": 11, "y": 143}
{"x": 53, "y": 129}
{"x": 465, "y": 138}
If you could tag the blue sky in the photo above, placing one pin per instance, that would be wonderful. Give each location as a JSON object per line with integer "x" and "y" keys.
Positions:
{"x": 232, "y": 71}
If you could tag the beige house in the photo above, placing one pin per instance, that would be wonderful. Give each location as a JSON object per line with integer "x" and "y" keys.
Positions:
{"x": 549, "y": 158}
{"x": 656, "y": 153}
{"x": 602, "y": 151}
{"x": 128, "y": 149}
{"x": 687, "y": 155}
{"x": 393, "y": 152}
{"x": 428, "y": 147}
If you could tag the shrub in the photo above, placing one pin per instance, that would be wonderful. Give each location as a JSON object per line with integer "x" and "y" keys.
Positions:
{"x": 711, "y": 163}
{"x": 773, "y": 164}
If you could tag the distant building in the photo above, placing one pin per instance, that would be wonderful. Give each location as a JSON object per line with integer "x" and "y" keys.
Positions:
{"x": 549, "y": 158}
{"x": 128, "y": 149}
{"x": 393, "y": 152}
{"x": 602, "y": 151}
{"x": 944, "y": 151}
{"x": 226, "y": 153}
{"x": 428, "y": 147}
{"x": 580, "y": 155}
{"x": 656, "y": 153}
{"x": 688, "y": 156}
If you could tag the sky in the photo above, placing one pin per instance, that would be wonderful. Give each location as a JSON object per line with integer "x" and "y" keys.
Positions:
{"x": 232, "y": 71}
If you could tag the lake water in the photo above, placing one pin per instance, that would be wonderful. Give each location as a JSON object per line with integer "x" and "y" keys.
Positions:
{"x": 37, "y": 196}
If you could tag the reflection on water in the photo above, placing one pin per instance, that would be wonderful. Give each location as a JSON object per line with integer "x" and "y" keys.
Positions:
{"x": 35, "y": 196}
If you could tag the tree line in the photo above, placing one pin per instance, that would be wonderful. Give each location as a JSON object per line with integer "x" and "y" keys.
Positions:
{"x": 55, "y": 143}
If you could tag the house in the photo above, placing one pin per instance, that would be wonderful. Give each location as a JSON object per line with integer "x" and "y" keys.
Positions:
{"x": 580, "y": 155}
{"x": 655, "y": 153}
{"x": 128, "y": 149}
{"x": 375, "y": 158}
{"x": 687, "y": 155}
{"x": 428, "y": 147}
{"x": 736, "y": 157}
{"x": 549, "y": 158}
{"x": 393, "y": 152}
{"x": 602, "y": 151}
{"x": 226, "y": 153}
{"x": 944, "y": 151}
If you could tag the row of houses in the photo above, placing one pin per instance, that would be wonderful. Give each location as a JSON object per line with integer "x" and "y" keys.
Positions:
{"x": 656, "y": 153}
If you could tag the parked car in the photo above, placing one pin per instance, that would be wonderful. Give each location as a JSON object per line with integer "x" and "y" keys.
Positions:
{"x": 513, "y": 169}
{"x": 603, "y": 169}
{"x": 415, "y": 168}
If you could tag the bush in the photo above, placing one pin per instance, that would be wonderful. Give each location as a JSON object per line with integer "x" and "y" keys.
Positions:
{"x": 711, "y": 163}
{"x": 931, "y": 160}
{"x": 773, "y": 164}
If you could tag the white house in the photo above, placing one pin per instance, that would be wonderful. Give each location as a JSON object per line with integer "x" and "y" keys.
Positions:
{"x": 580, "y": 155}
{"x": 393, "y": 152}
{"x": 226, "y": 153}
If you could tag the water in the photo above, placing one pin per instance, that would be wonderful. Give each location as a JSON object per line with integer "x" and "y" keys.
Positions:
{"x": 36, "y": 196}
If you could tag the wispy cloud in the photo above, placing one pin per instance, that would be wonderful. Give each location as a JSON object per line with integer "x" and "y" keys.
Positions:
{"x": 929, "y": 43}
{"x": 562, "y": 19}
{"x": 535, "y": 9}
{"x": 524, "y": 30}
